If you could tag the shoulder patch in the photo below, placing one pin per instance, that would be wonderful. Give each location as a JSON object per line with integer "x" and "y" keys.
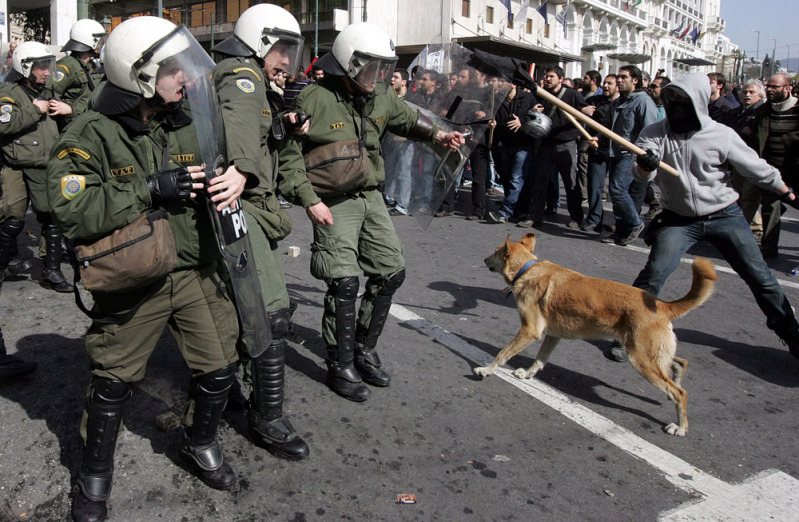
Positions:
{"x": 245, "y": 86}
{"x": 248, "y": 69}
{"x": 380, "y": 120}
{"x": 72, "y": 185}
{"x": 59, "y": 75}
{"x": 62, "y": 66}
{"x": 266, "y": 113}
{"x": 7, "y": 99}
{"x": 74, "y": 150}
{"x": 5, "y": 113}
{"x": 338, "y": 125}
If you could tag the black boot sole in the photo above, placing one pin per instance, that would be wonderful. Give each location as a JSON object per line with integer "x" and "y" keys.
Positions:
{"x": 275, "y": 450}
{"x": 353, "y": 398}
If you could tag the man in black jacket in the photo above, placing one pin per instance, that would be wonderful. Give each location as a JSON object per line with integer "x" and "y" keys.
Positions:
{"x": 510, "y": 149}
{"x": 558, "y": 152}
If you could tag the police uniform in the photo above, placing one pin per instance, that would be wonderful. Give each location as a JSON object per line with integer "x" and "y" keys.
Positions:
{"x": 26, "y": 137}
{"x": 73, "y": 84}
{"x": 248, "y": 118}
{"x": 362, "y": 238}
{"x": 96, "y": 182}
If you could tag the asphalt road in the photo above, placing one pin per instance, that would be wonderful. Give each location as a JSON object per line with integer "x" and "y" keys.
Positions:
{"x": 582, "y": 442}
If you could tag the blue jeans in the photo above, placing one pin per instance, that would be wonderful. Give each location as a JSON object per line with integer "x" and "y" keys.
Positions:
{"x": 729, "y": 232}
{"x": 513, "y": 162}
{"x": 621, "y": 177}
{"x": 597, "y": 171}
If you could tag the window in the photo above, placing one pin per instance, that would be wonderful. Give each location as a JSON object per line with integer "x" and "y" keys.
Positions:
{"x": 465, "y": 8}
{"x": 235, "y": 8}
{"x": 489, "y": 15}
{"x": 529, "y": 26}
{"x": 200, "y": 14}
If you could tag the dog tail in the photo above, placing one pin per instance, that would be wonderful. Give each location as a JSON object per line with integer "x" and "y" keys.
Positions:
{"x": 701, "y": 288}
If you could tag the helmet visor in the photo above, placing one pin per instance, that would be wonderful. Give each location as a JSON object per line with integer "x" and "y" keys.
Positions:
{"x": 174, "y": 61}
{"x": 371, "y": 73}
{"x": 99, "y": 41}
{"x": 40, "y": 68}
{"x": 285, "y": 51}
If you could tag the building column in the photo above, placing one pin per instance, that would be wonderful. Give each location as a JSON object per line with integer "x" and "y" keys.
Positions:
{"x": 63, "y": 14}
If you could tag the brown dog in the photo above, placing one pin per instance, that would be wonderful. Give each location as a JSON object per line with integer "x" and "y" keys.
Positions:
{"x": 563, "y": 304}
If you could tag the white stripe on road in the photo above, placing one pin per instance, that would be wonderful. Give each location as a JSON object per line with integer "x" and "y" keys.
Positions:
{"x": 771, "y": 494}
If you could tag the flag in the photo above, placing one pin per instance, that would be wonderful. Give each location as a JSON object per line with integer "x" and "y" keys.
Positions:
{"x": 685, "y": 32}
{"x": 701, "y": 35}
{"x": 543, "y": 12}
{"x": 561, "y": 18}
{"x": 695, "y": 35}
{"x": 506, "y": 3}
{"x": 522, "y": 14}
{"x": 637, "y": 3}
{"x": 675, "y": 32}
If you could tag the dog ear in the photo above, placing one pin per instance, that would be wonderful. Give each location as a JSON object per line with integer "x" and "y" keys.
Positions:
{"x": 528, "y": 241}
{"x": 507, "y": 246}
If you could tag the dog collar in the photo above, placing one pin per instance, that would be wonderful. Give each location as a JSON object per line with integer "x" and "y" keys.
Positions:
{"x": 509, "y": 289}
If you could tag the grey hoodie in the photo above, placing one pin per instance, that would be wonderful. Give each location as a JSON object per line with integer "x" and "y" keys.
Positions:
{"x": 703, "y": 158}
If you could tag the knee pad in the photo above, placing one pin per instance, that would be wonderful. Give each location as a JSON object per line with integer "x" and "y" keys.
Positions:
{"x": 345, "y": 288}
{"x": 218, "y": 381}
{"x": 110, "y": 392}
{"x": 12, "y": 227}
{"x": 280, "y": 322}
{"x": 393, "y": 282}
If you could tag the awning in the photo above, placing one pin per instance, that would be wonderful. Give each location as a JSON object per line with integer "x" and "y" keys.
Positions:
{"x": 522, "y": 51}
{"x": 598, "y": 47}
{"x": 694, "y": 62}
{"x": 630, "y": 57}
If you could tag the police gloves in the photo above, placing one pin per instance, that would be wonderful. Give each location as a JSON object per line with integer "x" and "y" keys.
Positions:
{"x": 648, "y": 161}
{"x": 169, "y": 185}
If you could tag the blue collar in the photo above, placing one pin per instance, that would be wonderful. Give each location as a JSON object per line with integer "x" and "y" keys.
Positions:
{"x": 509, "y": 290}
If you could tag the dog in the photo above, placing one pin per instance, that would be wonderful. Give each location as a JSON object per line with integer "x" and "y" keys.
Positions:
{"x": 559, "y": 303}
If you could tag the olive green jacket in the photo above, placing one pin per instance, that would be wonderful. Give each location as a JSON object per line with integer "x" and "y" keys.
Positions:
{"x": 247, "y": 117}
{"x": 72, "y": 85}
{"x": 333, "y": 118}
{"x": 26, "y": 135}
{"x": 96, "y": 181}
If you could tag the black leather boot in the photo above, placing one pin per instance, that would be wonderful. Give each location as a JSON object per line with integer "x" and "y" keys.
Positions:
{"x": 201, "y": 448}
{"x": 10, "y": 366}
{"x": 274, "y": 431}
{"x": 367, "y": 362}
{"x": 342, "y": 377}
{"x": 788, "y": 332}
{"x": 52, "y": 276}
{"x": 9, "y": 230}
{"x": 93, "y": 486}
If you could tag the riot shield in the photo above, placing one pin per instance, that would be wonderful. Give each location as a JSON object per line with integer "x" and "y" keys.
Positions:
{"x": 230, "y": 225}
{"x": 419, "y": 174}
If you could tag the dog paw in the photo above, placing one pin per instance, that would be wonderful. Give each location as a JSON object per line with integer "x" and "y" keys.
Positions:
{"x": 674, "y": 429}
{"x": 521, "y": 373}
{"x": 482, "y": 371}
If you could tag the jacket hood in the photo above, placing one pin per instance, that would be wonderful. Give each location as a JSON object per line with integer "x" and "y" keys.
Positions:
{"x": 697, "y": 87}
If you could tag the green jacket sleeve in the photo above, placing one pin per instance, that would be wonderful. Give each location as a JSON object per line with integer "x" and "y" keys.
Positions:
{"x": 292, "y": 181}
{"x": 87, "y": 200}
{"x": 17, "y": 115}
{"x": 241, "y": 92}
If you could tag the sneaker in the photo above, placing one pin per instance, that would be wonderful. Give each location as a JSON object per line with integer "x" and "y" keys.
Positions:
{"x": 495, "y": 216}
{"x": 573, "y": 224}
{"x": 632, "y": 236}
{"x": 495, "y": 191}
{"x": 588, "y": 227}
{"x": 607, "y": 237}
{"x": 525, "y": 223}
{"x": 466, "y": 183}
{"x": 444, "y": 213}
{"x": 651, "y": 212}
{"x": 474, "y": 217}
{"x": 394, "y": 211}
{"x": 283, "y": 203}
{"x": 789, "y": 335}
{"x": 617, "y": 352}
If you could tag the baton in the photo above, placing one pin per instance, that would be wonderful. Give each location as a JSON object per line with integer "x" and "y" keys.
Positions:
{"x": 632, "y": 147}
{"x": 578, "y": 126}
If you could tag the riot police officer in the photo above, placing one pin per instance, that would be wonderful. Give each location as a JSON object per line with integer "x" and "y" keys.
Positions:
{"x": 352, "y": 229}
{"x": 111, "y": 165}
{"x": 27, "y": 134}
{"x": 265, "y": 41}
{"x": 75, "y": 73}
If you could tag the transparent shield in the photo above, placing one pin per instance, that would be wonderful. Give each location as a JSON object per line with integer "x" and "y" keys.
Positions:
{"x": 419, "y": 175}
{"x": 230, "y": 226}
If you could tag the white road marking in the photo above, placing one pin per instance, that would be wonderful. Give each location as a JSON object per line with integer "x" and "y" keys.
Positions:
{"x": 770, "y": 495}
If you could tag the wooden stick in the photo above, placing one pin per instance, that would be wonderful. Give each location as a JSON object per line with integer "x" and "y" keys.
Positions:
{"x": 632, "y": 147}
{"x": 578, "y": 126}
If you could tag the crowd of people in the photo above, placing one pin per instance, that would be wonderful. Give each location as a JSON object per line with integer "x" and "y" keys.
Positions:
{"x": 97, "y": 147}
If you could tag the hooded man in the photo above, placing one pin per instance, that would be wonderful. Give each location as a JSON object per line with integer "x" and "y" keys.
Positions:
{"x": 701, "y": 203}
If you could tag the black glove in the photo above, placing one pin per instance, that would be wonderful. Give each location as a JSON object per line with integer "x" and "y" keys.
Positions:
{"x": 169, "y": 184}
{"x": 792, "y": 203}
{"x": 648, "y": 161}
